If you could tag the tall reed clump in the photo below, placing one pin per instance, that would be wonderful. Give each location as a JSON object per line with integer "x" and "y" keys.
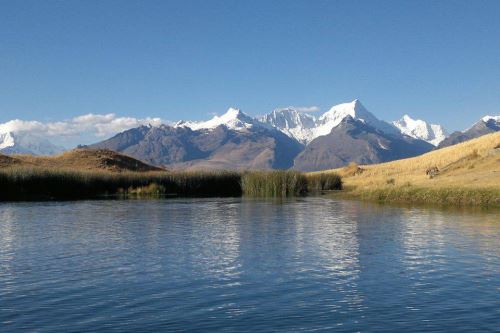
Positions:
{"x": 278, "y": 183}
{"x": 323, "y": 182}
{"x": 25, "y": 183}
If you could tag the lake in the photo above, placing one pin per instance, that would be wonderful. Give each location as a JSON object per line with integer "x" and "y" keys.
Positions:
{"x": 237, "y": 264}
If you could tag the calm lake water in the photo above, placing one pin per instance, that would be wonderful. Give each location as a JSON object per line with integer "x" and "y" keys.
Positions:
{"x": 247, "y": 265}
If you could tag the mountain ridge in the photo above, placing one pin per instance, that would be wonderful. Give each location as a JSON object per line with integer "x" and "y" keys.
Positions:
{"x": 420, "y": 129}
{"x": 284, "y": 138}
{"x": 486, "y": 125}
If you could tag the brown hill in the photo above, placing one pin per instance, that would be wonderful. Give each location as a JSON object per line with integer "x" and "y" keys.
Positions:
{"x": 80, "y": 159}
{"x": 471, "y": 164}
{"x": 7, "y": 161}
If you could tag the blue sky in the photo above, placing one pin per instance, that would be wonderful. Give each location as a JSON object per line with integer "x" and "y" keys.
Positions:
{"x": 435, "y": 60}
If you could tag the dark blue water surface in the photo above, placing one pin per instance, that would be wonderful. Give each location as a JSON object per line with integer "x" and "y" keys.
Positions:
{"x": 247, "y": 265}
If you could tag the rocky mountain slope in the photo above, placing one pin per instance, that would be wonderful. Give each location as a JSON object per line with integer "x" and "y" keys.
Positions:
{"x": 420, "y": 129}
{"x": 232, "y": 141}
{"x": 486, "y": 125}
{"x": 283, "y": 139}
{"x": 355, "y": 141}
{"x": 305, "y": 127}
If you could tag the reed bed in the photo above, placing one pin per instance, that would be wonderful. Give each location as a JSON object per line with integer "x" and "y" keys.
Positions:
{"x": 24, "y": 183}
{"x": 324, "y": 182}
{"x": 279, "y": 183}
{"x": 37, "y": 183}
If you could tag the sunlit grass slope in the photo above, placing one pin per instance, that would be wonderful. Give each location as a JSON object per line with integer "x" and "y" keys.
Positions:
{"x": 467, "y": 173}
{"x": 79, "y": 159}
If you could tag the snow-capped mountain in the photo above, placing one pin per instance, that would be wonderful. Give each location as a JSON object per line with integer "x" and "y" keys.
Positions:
{"x": 305, "y": 128}
{"x": 234, "y": 119}
{"x": 486, "y": 125}
{"x": 281, "y": 139}
{"x": 6, "y": 140}
{"x": 355, "y": 110}
{"x": 492, "y": 119}
{"x": 25, "y": 143}
{"x": 353, "y": 140}
{"x": 420, "y": 129}
{"x": 295, "y": 124}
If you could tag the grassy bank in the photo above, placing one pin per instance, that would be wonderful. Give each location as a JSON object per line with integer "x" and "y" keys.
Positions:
{"x": 464, "y": 174}
{"x": 485, "y": 197}
{"x": 32, "y": 184}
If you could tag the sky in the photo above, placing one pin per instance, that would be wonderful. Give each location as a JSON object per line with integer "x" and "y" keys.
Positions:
{"x": 140, "y": 60}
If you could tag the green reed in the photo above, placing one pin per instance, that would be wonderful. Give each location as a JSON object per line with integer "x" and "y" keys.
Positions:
{"x": 324, "y": 182}
{"x": 25, "y": 183}
{"x": 35, "y": 183}
{"x": 277, "y": 183}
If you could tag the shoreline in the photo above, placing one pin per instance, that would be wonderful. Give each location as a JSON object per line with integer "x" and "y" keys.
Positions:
{"x": 442, "y": 196}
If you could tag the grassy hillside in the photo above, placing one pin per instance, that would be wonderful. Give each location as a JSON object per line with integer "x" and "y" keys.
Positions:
{"x": 467, "y": 173}
{"x": 79, "y": 159}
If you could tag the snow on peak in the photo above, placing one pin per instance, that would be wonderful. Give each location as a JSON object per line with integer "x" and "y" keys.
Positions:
{"x": 305, "y": 128}
{"x": 233, "y": 119}
{"x": 420, "y": 129}
{"x": 354, "y": 109}
{"x": 295, "y": 124}
{"x": 26, "y": 143}
{"x": 6, "y": 140}
{"x": 488, "y": 118}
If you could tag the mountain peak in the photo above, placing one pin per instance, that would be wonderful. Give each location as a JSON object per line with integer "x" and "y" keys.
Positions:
{"x": 304, "y": 127}
{"x": 354, "y": 109}
{"x": 6, "y": 140}
{"x": 26, "y": 143}
{"x": 356, "y": 103}
{"x": 295, "y": 124}
{"x": 489, "y": 118}
{"x": 232, "y": 113}
{"x": 233, "y": 119}
{"x": 407, "y": 118}
{"x": 420, "y": 129}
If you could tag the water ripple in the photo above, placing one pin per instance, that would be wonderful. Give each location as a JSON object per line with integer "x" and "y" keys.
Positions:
{"x": 307, "y": 264}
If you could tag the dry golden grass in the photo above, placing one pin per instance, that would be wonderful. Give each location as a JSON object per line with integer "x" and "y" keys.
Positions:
{"x": 469, "y": 167}
{"x": 79, "y": 159}
{"x": 8, "y": 161}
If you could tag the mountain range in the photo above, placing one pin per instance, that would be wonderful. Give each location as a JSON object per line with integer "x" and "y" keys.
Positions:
{"x": 486, "y": 125}
{"x": 284, "y": 138}
{"x": 26, "y": 143}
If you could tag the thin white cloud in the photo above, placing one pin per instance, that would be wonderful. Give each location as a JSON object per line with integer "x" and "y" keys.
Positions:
{"x": 85, "y": 126}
